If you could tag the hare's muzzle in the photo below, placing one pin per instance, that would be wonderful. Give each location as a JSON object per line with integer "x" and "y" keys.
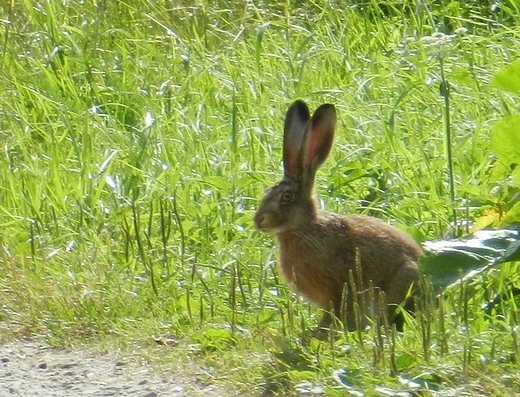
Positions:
{"x": 265, "y": 222}
{"x": 257, "y": 220}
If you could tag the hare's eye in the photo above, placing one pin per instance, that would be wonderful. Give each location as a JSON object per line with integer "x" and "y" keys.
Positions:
{"x": 286, "y": 197}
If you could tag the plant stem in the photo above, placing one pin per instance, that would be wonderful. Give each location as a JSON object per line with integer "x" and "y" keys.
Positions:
{"x": 445, "y": 92}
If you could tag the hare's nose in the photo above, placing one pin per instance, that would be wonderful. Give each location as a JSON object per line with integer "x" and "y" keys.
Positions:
{"x": 258, "y": 219}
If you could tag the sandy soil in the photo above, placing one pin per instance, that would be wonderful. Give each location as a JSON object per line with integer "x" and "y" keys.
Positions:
{"x": 33, "y": 369}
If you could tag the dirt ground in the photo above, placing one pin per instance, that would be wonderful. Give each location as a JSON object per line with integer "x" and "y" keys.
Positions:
{"x": 28, "y": 368}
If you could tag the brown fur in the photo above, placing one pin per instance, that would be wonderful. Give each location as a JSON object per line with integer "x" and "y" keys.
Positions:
{"x": 319, "y": 259}
{"x": 319, "y": 251}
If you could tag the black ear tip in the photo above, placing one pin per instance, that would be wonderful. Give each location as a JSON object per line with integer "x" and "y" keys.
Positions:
{"x": 327, "y": 107}
{"x": 330, "y": 106}
{"x": 300, "y": 108}
{"x": 299, "y": 102}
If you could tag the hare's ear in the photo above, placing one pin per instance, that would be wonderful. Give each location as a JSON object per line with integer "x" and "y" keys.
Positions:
{"x": 295, "y": 125}
{"x": 318, "y": 139}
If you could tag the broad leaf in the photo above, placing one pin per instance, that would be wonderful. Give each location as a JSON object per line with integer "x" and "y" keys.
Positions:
{"x": 512, "y": 216}
{"x": 505, "y": 142}
{"x": 508, "y": 78}
{"x": 512, "y": 253}
{"x": 448, "y": 261}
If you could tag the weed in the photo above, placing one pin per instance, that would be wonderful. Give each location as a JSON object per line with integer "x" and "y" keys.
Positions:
{"x": 137, "y": 138}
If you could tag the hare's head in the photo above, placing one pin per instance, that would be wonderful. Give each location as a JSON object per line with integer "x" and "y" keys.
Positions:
{"x": 289, "y": 204}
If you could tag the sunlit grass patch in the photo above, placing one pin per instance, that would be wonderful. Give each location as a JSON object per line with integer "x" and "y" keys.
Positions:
{"x": 137, "y": 139}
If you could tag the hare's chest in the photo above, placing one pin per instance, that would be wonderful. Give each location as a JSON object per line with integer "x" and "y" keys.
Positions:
{"x": 307, "y": 266}
{"x": 298, "y": 266}
{"x": 309, "y": 272}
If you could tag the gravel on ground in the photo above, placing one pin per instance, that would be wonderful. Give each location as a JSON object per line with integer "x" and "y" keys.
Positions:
{"x": 29, "y": 368}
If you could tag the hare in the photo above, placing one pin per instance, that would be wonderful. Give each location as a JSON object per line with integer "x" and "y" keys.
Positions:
{"x": 332, "y": 260}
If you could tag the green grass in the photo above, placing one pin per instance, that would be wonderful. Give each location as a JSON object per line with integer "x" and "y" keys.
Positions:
{"x": 137, "y": 139}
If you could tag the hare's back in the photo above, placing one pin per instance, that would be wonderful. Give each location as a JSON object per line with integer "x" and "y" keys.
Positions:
{"x": 376, "y": 236}
{"x": 387, "y": 255}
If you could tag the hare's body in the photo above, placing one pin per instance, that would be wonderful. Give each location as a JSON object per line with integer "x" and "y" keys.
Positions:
{"x": 319, "y": 260}
{"x": 332, "y": 260}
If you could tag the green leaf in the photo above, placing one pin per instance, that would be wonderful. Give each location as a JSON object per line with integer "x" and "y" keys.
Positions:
{"x": 405, "y": 361}
{"x": 512, "y": 253}
{"x": 508, "y": 78}
{"x": 462, "y": 76}
{"x": 512, "y": 216}
{"x": 348, "y": 377}
{"x": 214, "y": 339}
{"x": 505, "y": 138}
{"x": 223, "y": 184}
{"x": 447, "y": 261}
